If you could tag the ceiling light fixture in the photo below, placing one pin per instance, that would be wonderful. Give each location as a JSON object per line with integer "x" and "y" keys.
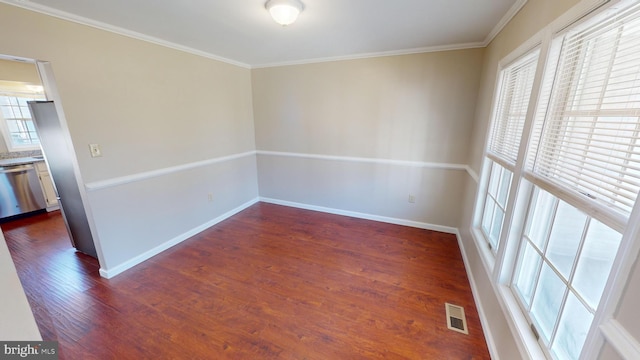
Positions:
{"x": 284, "y": 12}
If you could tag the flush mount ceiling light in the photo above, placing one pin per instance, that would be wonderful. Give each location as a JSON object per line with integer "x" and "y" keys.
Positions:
{"x": 284, "y": 12}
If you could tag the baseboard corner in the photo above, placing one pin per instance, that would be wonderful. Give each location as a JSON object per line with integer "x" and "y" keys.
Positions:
{"x": 118, "y": 269}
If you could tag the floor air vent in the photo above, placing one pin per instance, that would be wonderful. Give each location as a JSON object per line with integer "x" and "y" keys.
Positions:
{"x": 456, "y": 320}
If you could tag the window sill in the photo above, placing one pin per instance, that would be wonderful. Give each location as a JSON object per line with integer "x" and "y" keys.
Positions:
{"x": 522, "y": 334}
{"x": 525, "y": 340}
{"x": 488, "y": 259}
{"x": 21, "y": 149}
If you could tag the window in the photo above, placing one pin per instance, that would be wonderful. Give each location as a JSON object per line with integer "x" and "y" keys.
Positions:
{"x": 558, "y": 212}
{"x": 18, "y": 127}
{"x": 564, "y": 260}
{"x": 590, "y": 140}
{"x": 511, "y": 111}
{"x": 504, "y": 143}
{"x": 495, "y": 203}
{"x": 586, "y": 152}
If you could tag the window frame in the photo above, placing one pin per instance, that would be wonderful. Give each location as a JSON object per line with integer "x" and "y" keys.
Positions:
{"x": 492, "y": 256}
{"x": 488, "y": 196}
{"x": 566, "y": 279}
{"x": 612, "y": 217}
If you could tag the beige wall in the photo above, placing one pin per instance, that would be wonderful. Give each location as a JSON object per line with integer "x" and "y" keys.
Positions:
{"x": 149, "y": 108}
{"x": 19, "y": 71}
{"x": 152, "y": 108}
{"x": 410, "y": 108}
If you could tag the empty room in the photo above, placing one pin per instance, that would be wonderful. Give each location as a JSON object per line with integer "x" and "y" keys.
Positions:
{"x": 306, "y": 179}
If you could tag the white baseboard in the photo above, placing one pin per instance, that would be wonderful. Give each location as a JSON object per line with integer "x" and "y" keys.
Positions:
{"x": 53, "y": 208}
{"x": 484, "y": 321}
{"x": 385, "y": 219}
{"x": 109, "y": 273}
{"x": 451, "y": 230}
{"x": 525, "y": 342}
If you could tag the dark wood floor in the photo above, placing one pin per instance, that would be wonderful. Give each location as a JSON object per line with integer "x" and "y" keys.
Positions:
{"x": 271, "y": 282}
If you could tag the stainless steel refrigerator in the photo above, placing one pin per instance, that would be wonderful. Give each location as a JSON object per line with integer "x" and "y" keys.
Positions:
{"x": 59, "y": 158}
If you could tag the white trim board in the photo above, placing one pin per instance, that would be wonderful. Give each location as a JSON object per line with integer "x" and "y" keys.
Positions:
{"x": 122, "y": 180}
{"x": 111, "y": 272}
{"x": 484, "y": 320}
{"x": 433, "y": 165}
{"x": 513, "y": 11}
{"x": 489, "y": 338}
{"x": 118, "y": 269}
{"x": 98, "y": 185}
{"x": 621, "y": 341}
{"x": 384, "y": 219}
{"x": 473, "y": 174}
{"x": 524, "y": 339}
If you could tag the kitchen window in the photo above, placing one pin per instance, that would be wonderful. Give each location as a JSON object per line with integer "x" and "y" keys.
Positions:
{"x": 17, "y": 125}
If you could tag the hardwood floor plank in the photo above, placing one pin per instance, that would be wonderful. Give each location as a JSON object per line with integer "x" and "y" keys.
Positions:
{"x": 271, "y": 282}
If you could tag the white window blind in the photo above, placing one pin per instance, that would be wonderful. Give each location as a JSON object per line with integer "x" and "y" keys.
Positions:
{"x": 590, "y": 134}
{"x": 511, "y": 109}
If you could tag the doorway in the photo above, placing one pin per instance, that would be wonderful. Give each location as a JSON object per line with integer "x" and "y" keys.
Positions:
{"x": 36, "y": 133}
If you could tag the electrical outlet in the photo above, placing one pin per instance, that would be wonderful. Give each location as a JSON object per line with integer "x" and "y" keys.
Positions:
{"x": 412, "y": 198}
{"x": 95, "y": 150}
{"x": 210, "y": 197}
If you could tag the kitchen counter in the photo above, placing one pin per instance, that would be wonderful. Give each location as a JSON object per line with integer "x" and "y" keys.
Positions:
{"x": 20, "y": 161}
{"x": 16, "y": 319}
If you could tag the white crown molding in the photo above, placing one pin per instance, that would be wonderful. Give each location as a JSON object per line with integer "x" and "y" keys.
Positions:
{"x": 513, "y": 10}
{"x": 421, "y": 50}
{"x": 46, "y": 10}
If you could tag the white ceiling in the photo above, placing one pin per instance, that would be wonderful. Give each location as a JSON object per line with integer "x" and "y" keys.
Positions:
{"x": 242, "y": 31}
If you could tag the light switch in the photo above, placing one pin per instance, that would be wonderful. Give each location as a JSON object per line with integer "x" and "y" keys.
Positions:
{"x": 95, "y": 150}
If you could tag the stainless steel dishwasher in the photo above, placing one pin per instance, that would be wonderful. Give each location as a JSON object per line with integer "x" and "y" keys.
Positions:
{"x": 20, "y": 190}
